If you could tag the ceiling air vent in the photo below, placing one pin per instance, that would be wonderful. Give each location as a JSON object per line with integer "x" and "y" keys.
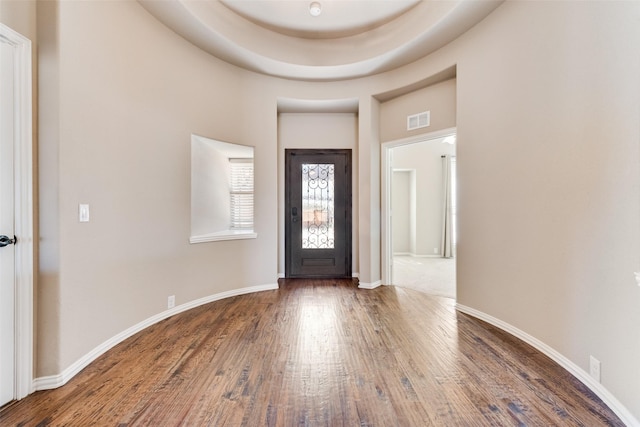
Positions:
{"x": 417, "y": 121}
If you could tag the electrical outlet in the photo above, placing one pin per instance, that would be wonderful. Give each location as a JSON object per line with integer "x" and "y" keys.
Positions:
{"x": 171, "y": 301}
{"x": 435, "y": 250}
{"x": 637, "y": 275}
{"x": 594, "y": 368}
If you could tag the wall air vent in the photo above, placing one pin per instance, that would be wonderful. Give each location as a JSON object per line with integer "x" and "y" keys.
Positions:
{"x": 420, "y": 120}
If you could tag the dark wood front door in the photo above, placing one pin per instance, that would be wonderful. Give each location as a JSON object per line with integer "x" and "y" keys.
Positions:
{"x": 318, "y": 213}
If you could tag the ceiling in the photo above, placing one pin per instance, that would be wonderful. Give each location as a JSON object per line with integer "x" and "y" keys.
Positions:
{"x": 349, "y": 39}
{"x": 337, "y": 18}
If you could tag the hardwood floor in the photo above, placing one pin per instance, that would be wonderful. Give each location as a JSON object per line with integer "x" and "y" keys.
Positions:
{"x": 319, "y": 353}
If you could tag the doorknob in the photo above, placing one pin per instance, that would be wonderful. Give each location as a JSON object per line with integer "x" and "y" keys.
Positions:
{"x": 6, "y": 241}
{"x": 294, "y": 213}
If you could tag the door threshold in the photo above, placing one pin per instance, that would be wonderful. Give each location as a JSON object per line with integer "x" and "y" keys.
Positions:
{"x": 319, "y": 281}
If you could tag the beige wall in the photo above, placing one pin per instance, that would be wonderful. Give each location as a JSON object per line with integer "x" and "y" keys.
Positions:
{"x": 20, "y": 16}
{"x": 548, "y": 164}
{"x": 439, "y": 99}
{"x": 403, "y": 220}
{"x": 117, "y": 137}
{"x": 121, "y": 143}
{"x": 548, "y": 122}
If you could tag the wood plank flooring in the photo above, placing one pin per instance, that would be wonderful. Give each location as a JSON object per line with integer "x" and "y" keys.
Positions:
{"x": 319, "y": 353}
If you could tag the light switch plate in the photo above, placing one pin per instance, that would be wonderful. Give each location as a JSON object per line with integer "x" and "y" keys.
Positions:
{"x": 83, "y": 213}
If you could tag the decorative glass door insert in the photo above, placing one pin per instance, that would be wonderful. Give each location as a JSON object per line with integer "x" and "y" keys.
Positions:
{"x": 318, "y": 206}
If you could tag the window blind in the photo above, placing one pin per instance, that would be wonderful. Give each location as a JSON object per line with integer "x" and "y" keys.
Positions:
{"x": 241, "y": 193}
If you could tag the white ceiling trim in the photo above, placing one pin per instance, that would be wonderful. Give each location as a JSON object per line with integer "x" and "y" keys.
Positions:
{"x": 228, "y": 36}
{"x": 295, "y": 105}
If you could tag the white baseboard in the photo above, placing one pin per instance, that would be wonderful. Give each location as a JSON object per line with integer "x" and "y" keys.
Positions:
{"x": 55, "y": 381}
{"x": 363, "y": 285}
{"x": 412, "y": 255}
{"x": 604, "y": 394}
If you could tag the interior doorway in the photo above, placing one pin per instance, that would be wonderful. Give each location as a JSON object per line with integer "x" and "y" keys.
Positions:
{"x": 419, "y": 213}
{"x": 7, "y": 240}
{"x": 318, "y": 213}
{"x": 16, "y": 217}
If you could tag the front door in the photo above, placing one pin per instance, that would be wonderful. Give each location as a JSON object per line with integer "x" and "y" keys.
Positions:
{"x": 318, "y": 213}
{"x": 7, "y": 251}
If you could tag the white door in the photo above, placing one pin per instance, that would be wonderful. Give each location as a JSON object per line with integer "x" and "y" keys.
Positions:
{"x": 7, "y": 253}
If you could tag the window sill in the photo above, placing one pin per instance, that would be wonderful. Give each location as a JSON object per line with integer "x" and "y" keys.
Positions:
{"x": 224, "y": 235}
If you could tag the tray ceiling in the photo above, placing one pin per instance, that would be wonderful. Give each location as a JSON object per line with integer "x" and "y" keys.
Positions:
{"x": 350, "y": 38}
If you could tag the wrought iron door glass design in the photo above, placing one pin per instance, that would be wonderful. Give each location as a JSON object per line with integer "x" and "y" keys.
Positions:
{"x": 318, "y": 206}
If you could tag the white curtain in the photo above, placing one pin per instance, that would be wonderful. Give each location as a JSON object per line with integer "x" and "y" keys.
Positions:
{"x": 446, "y": 247}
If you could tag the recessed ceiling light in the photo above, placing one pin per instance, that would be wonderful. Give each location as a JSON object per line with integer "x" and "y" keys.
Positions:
{"x": 315, "y": 8}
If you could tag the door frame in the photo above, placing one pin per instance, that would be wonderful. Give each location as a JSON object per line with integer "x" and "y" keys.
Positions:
{"x": 23, "y": 205}
{"x": 348, "y": 153}
{"x": 386, "y": 165}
